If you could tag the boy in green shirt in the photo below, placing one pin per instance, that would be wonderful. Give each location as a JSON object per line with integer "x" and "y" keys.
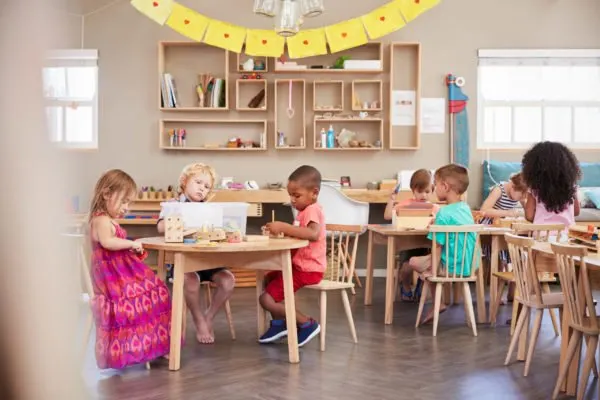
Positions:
{"x": 451, "y": 182}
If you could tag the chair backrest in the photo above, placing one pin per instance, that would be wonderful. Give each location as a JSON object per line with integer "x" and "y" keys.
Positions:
{"x": 526, "y": 276}
{"x": 576, "y": 287}
{"x": 342, "y": 245}
{"x": 540, "y": 232}
{"x": 462, "y": 264}
{"x": 81, "y": 245}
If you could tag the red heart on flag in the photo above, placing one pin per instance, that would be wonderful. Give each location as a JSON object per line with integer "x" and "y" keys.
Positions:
{"x": 344, "y": 34}
{"x": 155, "y": 4}
{"x": 382, "y": 18}
{"x": 264, "y": 41}
{"x": 226, "y": 35}
{"x": 305, "y": 42}
{"x": 187, "y": 21}
{"x": 417, "y": 1}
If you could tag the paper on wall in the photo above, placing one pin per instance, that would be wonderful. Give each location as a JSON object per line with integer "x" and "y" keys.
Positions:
{"x": 433, "y": 115}
{"x": 403, "y": 108}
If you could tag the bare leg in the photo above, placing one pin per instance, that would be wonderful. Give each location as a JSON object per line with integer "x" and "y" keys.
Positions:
{"x": 191, "y": 290}
{"x": 277, "y": 310}
{"x": 422, "y": 265}
{"x": 225, "y": 282}
{"x": 406, "y": 277}
{"x": 429, "y": 317}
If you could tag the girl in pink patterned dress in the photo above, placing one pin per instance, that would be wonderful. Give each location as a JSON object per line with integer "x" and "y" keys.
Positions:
{"x": 131, "y": 307}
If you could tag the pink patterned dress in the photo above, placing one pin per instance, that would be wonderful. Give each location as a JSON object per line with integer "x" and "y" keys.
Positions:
{"x": 132, "y": 308}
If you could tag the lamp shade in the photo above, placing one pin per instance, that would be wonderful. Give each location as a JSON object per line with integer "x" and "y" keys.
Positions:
{"x": 311, "y": 8}
{"x": 265, "y": 7}
{"x": 287, "y": 21}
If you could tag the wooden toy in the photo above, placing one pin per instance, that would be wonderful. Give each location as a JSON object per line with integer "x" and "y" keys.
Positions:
{"x": 211, "y": 235}
{"x": 585, "y": 236}
{"x": 174, "y": 229}
{"x": 234, "y": 237}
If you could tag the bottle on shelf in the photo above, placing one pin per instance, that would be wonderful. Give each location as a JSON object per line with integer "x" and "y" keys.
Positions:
{"x": 323, "y": 138}
{"x": 330, "y": 138}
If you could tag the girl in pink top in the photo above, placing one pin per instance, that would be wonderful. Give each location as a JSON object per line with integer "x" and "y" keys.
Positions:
{"x": 551, "y": 171}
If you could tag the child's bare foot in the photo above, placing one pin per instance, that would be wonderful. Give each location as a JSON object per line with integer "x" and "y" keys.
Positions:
{"x": 204, "y": 331}
{"x": 429, "y": 317}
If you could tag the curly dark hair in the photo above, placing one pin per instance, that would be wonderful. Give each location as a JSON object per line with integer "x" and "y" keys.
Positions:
{"x": 551, "y": 171}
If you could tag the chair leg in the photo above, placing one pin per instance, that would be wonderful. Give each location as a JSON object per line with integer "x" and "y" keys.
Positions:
{"x": 516, "y": 335}
{"x": 537, "y": 324}
{"x": 358, "y": 282}
{"x": 436, "y": 307}
{"x": 497, "y": 301}
{"x": 323, "y": 322}
{"x": 148, "y": 366}
{"x": 562, "y": 374}
{"x": 515, "y": 316}
{"x": 424, "y": 293}
{"x": 590, "y": 356}
{"x": 229, "y": 319}
{"x": 555, "y": 324}
{"x": 594, "y": 366}
{"x": 348, "y": 310}
{"x": 468, "y": 299}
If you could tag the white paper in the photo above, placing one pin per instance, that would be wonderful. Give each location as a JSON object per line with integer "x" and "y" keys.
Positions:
{"x": 403, "y": 108}
{"x": 433, "y": 115}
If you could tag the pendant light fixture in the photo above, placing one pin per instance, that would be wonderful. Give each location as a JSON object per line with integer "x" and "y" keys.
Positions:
{"x": 265, "y": 7}
{"x": 287, "y": 21}
{"x": 311, "y": 8}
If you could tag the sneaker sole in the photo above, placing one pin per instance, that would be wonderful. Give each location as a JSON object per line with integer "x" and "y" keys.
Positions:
{"x": 274, "y": 338}
{"x": 311, "y": 336}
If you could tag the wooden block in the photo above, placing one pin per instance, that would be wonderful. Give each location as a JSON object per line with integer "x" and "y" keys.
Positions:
{"x": 174, "y": 229}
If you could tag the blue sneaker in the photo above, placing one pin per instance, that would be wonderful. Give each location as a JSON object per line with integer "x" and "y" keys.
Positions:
{"x": 307, "y": 331}
{"x": 276, "y": 331}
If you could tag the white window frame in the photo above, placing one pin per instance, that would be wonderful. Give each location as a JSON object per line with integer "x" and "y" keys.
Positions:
{"x": 70, "y": 58}
{"x": 511, "y": 57}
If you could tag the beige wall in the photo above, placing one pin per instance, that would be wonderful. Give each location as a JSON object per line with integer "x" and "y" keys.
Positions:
{"x": 450, "y": 35}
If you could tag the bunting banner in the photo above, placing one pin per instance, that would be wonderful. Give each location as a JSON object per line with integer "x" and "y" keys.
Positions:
{"x": 226, "y": 36}
{"x": 307, "y": 43}
{"x": 187, "y": 22}
{"x": 157, "y": 10}
{"x": 264, "y": 43}
{"x": 345, "y": 35}
{"x": 383, "y": 21}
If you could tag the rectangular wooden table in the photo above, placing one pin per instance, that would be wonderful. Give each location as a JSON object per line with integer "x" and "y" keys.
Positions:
{"x": 398, "y": 240}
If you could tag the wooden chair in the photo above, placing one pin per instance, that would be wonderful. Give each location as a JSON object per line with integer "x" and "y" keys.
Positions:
{"x": 542, "y": 233}
{"x": 167, "y": 258}
{"x": 342, "y": 246}
{"x": 530, "y": 294}
{"x": 458, "y": 276}
{"x": 582, "y": 313}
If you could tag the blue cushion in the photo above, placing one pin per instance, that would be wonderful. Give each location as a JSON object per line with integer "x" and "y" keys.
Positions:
{"x": 496, "y": 172}
{"x": 594, "y": 196}
{"x": 591, "y": 174}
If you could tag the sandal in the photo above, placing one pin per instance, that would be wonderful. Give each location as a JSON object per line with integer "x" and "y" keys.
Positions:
{"x": 406, "y": 296}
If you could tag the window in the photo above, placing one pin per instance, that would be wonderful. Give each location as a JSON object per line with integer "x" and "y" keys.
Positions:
{"x": 525, "y": 96}
{"x": 71, "y": 96}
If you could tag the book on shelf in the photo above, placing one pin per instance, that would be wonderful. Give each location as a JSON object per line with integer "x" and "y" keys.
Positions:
{"x": 168, "y": 91}
{"x": 216, "y": 94}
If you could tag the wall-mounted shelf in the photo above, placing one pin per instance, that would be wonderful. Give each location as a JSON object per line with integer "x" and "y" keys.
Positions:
{"x": 328, "y": 96}
{"x": 212, "y": 135}
{"x": 367, "y": 130}
{"x": 405, "y": 74}
{"x": 179, "y": 66}
{"x": 242, "y": 58}
{"x": 292, "y": 127}
{"x": 245, "y": 90}
{"x": 367, "y": 95}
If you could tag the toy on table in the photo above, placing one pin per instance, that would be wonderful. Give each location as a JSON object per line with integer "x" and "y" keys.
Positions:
{"x": 587, "y": 237}
{"x": 266, "y": 232}
{"x": 174, "y": 230}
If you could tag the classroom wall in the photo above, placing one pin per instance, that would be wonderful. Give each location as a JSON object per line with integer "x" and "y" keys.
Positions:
{"x": 450, "y": 36}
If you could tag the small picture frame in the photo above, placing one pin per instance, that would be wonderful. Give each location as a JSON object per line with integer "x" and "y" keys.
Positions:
{"x": 345, "y": 182}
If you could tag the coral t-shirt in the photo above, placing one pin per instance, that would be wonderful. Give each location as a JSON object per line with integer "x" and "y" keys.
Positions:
{"x": 311, "y": 258}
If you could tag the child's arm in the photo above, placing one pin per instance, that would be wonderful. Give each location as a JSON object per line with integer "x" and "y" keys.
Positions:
{"x": 487, "y": 208}
{"x": 577, "y": 205}
{"x": 530, "y": 208}
{"x": 161, "y": 226}
{"x": 104, "y": 231}
{"x": 310, "y": 232}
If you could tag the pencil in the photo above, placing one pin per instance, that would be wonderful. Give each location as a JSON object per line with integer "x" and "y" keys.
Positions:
{"x": 272, "y": 215}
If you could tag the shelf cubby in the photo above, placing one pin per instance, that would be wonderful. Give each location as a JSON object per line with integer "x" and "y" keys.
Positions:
{"x": 369, "y": 130}
{"x": 367, "y": 95}
{"x": 185, "y": 61}
{"x": 294, "y": 128}
{"x": 328, "y": 96}
{"x": 245, "y": 90}
{"x": 242, "y": 58}
{"x": 405, "y": 74}
{"x": 213, "y": 135}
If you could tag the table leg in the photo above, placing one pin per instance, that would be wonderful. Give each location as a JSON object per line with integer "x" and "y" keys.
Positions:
{"x": 480, "y": 289}
{"x": 177, "y": 312}
{"x": 290, "y": 307}
{"x": 261, "y": 315}
{"x": 389, "y": 280}
{"x": 493, "y": 269}
{"x": 369, "y": 272}
{"x": 161, "y": 270}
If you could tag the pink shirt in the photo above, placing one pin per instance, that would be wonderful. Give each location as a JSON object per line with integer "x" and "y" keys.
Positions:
{"x": 543, "y": 216}
{"x": 311, "y": 258}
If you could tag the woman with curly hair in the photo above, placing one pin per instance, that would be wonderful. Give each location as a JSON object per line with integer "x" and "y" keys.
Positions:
{"x": 551, "y": 172}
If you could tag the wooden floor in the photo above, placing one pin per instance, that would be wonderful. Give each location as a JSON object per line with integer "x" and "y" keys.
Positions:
{"x": 389, "y": 362}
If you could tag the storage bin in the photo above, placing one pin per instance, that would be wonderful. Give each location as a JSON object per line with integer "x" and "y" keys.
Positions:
{"x": 229, "y": 216}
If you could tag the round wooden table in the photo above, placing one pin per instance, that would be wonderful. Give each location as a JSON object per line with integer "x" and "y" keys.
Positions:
{"x": 270, "y": 255}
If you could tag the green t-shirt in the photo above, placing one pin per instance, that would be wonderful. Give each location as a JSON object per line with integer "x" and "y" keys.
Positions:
{"x": 456, "y": 214}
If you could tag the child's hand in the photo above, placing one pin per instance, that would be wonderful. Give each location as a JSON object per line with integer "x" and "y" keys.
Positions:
{"x": 431, "y": 222}
{"x": 275, "y": 228}
{"x": 137, "y": 247}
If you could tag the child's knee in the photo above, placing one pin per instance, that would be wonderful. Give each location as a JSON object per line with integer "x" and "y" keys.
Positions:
{"x": 265, "y": 299}
{"x": 191, "y": 283}
{"x": 227, "y": 281}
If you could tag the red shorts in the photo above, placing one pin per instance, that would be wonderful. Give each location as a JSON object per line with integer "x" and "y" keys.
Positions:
{"x": 301, "y": 278}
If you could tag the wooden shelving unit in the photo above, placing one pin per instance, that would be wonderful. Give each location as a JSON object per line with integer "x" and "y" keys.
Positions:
{"x": 405, "y": 74}
{"x": 245, "y": 90}
{"x": 212, "y": 135}
{"x": 367, "y": 95}
{"x": 242, "y": 58}
{"x": 328, "y": 96}
{"x": 185, "y": 61}
{"x": 368, "y": 129}
{"x": 294, "y": 127}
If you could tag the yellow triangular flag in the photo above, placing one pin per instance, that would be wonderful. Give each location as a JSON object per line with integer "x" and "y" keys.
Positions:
{"x": 157, "y": 10}
{"x": 346, "y": 35}
{"x": 307, "y": 43}
{"x": 383, "y": 21}
{"x": 226, "y": 36}
{"x": 187, "y": 22}
{"x": 411, "y": 9}
{"x": 264, "y": 43}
